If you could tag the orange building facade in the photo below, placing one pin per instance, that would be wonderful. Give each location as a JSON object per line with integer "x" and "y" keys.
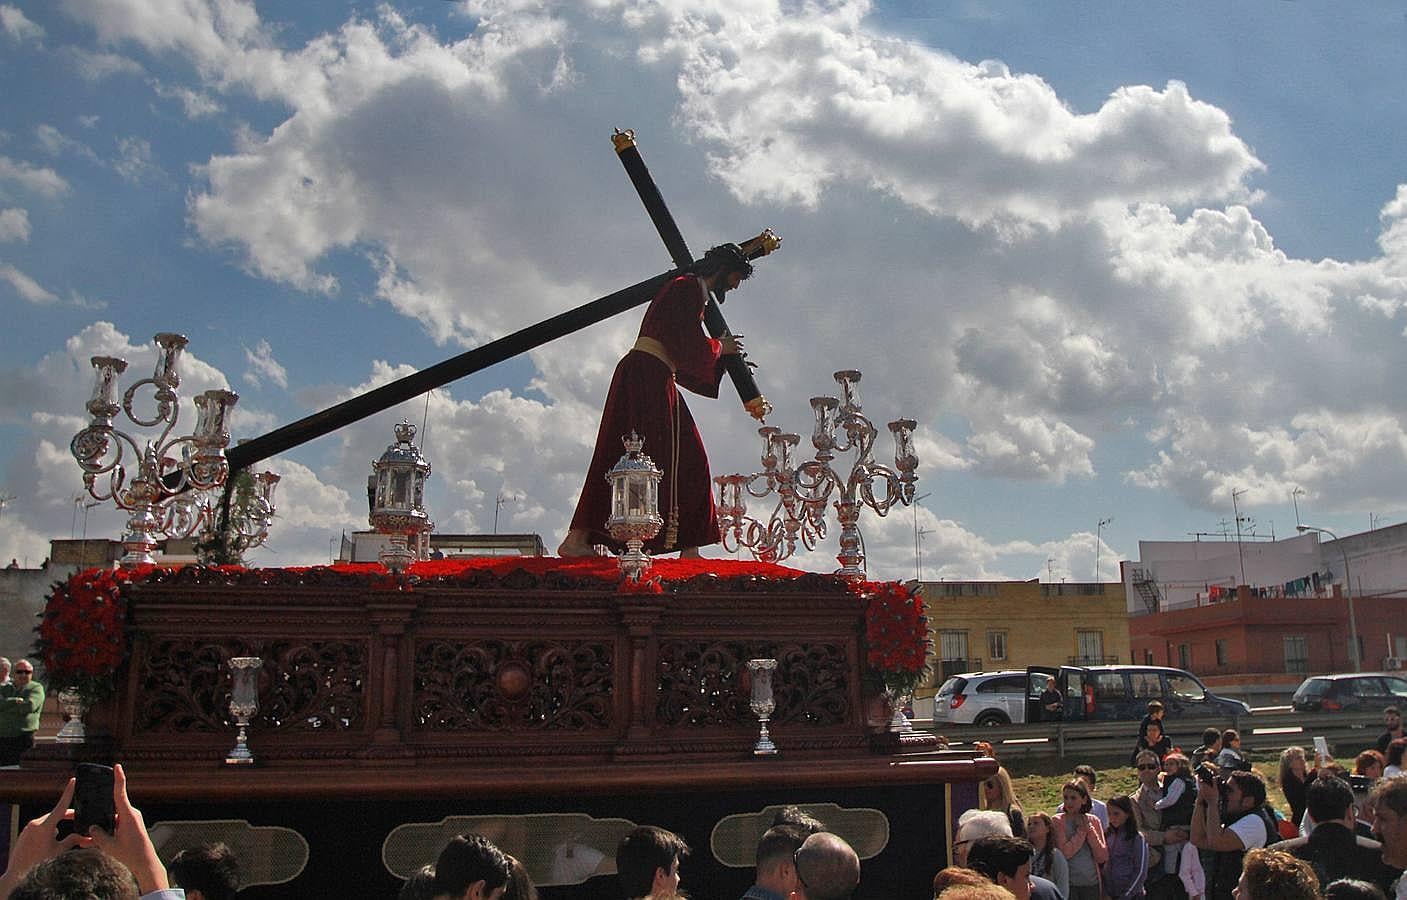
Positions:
{"x": 1261, "y": 646}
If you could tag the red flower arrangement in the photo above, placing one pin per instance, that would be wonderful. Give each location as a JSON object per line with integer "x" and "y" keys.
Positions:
{"x": 82, "y": 635}
{"x": 896, "y": 635}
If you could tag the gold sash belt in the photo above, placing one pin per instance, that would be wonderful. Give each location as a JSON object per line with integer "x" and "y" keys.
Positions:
{"x": 654, "y": 348}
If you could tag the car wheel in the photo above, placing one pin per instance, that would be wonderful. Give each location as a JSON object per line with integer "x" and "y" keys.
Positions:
{"x": 991, "y": 719}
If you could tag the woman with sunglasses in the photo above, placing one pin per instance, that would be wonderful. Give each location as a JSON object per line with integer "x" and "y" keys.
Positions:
{"x": 998, "y": 794}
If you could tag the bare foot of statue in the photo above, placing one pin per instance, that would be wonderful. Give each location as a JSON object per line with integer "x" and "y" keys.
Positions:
{"x": 690, "y": 553}
{"x": 576, "y": 544}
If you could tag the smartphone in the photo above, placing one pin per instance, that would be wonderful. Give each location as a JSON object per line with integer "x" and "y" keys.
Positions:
{"x": 92, "y": 798}
{"x": 1321, "y": 746}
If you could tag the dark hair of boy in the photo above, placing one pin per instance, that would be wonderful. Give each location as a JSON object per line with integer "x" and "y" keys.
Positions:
{"x": 641, "y": 853}
{"x": 469, "y": 858}
{"x": 210, "y": 868}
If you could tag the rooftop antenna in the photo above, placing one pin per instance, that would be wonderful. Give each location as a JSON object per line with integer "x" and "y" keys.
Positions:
{"x": 1236, "y": 495}
{"x": 497, "y": 505}
{"x": 918, "y": 554}
{"x": 1294, "y": 498}
{"x": 1098, "y": 532}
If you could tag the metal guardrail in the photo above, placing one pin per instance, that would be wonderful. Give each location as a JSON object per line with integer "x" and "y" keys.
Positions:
{"x": 1263, "y": 732}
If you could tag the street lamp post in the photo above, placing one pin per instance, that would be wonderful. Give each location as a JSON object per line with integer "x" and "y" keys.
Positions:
{"x": 1348, "y": 592}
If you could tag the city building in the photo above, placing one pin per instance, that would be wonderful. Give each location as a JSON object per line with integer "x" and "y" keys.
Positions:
{"x": 988, "y": 625}
{"x": 366, "y": 546}
{"x": 1254, "y": 618}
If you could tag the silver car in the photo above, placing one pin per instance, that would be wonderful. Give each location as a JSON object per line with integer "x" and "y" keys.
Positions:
{"x": 982, "y": 698}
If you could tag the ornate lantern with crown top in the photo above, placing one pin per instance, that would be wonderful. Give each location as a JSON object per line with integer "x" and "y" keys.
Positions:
{"x": 397, "y": 494}
{"x": 635, "y": 505}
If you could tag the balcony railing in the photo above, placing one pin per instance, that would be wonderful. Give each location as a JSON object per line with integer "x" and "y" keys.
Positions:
{"x": 950, "y": 667}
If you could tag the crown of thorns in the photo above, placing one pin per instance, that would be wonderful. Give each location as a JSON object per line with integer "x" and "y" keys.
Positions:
{"x": 730, "y": 257}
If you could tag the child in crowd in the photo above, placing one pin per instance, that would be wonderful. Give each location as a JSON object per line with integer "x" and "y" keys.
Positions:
{"x": 1230, "y": 758}
{"x": 1179, "y": 797}
{"x": 1370, "y": 764}
{"x": 1126, "y": 868}
{"x": 1211, "y": 746}
{"x": 1156, "y": 711}
{"x": 1046, "y": 860}
{"x": 1080, "y": 837}
{"x": 1153, "y": 739}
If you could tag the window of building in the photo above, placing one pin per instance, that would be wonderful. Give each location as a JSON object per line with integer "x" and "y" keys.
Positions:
{"x": 1147, "y": 657}
{"x": 952, "y": 644}
{"x": 1296, "y": 654}
{"x": 1089, "y": 647}
{"x": 996, "y": 645}
{"x": 952, "y": 652}
{"x": 1184, "y": 655}
{"x": 1221, "y": 651}
{"x": 969, "y": 589}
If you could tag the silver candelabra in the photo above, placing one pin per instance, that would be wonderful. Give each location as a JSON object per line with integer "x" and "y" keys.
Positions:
{"x": 174, "y": 488}
{"x": 802, "y": 490}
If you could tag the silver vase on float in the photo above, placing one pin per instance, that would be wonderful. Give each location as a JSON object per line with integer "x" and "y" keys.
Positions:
{"x": 244, "y": 703}
{"x": 762, "y": 703}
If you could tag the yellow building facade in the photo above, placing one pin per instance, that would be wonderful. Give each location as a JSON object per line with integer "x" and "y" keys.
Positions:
{"x": 991, "y": 625}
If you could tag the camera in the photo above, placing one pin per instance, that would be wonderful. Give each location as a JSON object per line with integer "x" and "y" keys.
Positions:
{"x": 1360, "y": 783}
{"x": 1207, "y": 772}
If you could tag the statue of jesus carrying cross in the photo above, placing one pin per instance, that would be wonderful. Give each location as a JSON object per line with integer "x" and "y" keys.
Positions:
{"x": 672, "y": 351}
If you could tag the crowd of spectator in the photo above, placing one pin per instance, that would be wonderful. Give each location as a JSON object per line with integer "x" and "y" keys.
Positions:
{"x": 1198, "y": 828}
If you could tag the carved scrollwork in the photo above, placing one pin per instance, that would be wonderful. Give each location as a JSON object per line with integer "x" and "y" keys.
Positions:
{"x": 700, "y": 683}
{"x": 502, "y": 685}
{"x": 808, "y": 583}
{"x": 183, "y": 685}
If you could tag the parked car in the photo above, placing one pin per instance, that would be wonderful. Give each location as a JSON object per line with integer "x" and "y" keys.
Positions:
{"x": 1369, "y": 691}
{"x": 1122, "y": 693}
{"x": 982, "y": 698}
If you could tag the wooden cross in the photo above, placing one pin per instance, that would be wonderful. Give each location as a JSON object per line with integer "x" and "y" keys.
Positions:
{"x": 374, "y": 401}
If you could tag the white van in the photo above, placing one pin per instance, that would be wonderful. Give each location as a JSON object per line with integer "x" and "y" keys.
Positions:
{"x": 983, "y": 698}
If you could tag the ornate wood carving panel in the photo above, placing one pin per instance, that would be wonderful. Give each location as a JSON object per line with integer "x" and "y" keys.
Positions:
{"x": 508, "y": 685}
{"x": 183, "y": 685}
{"x": 701, "y": 682}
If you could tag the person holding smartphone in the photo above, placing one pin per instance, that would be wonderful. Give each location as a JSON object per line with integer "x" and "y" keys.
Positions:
{"x": 121, "y": 864}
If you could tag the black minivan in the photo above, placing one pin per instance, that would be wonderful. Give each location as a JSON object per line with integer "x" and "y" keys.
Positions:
{"x": 1359, "y": 691}
{"x": 1115, "y": 693}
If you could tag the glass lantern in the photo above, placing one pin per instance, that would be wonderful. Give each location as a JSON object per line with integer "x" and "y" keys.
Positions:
{"x": 397, "y": 495}
{"x": 635, "y": 505}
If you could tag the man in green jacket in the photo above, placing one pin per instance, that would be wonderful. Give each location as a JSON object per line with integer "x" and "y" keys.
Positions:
{"x": 21, "y": 702}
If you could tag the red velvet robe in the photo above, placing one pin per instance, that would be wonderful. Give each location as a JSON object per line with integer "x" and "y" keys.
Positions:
{"x": 644, "y": 397}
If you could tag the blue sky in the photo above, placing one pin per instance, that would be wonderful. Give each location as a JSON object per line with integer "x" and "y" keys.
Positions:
{"x": 1118, "y": 260}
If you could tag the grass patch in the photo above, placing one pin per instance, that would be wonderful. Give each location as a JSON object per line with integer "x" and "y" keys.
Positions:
{"x": 1038, "y": 781}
